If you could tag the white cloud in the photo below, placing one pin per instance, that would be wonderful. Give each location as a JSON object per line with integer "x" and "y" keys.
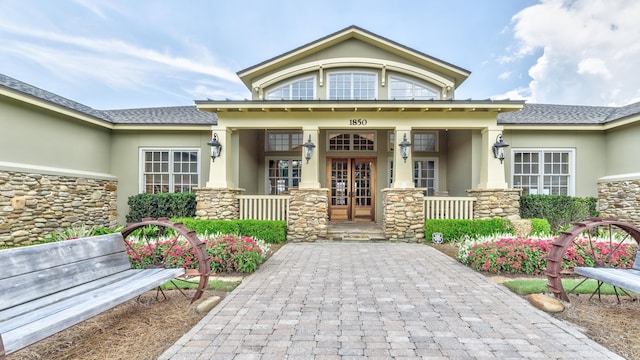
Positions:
{"x": 505, "y": 75}
{"x": 515, "y": 94}
{"x": 126, "y": 55}
{"x": 589, "y": 50}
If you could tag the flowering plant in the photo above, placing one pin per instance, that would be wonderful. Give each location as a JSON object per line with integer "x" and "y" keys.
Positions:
{"x": 229, "y": 253}
{"x": 529, "y": 255}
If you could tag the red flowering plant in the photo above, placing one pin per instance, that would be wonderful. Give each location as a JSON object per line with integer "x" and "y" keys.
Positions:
{"x": 168, "y": 253}
{"x": 229, "y": 253}
{"x": 235, "y": 253}
{"x": 529, "y": 255}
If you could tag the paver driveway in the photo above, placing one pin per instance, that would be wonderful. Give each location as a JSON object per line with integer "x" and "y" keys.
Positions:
{"x": 376, "y": 300}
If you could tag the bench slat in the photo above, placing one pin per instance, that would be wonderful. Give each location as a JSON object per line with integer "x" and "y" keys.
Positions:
{"x": 628, "y": 279}
{"x": 85, "y": 306}
{"x": 30, "y": 286}
{"x": 36, "y": 257}
{"x": 30, "y": 306}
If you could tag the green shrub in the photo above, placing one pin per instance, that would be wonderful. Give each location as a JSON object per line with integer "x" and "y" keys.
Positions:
{"x": 559, "y": 210}
{"x": 271, "y": 231}
{"x": 457, "y": 229}
{"x": 210, "y": 227}
{"x": 155, "y": 206}
{"x": 540, "y": 227}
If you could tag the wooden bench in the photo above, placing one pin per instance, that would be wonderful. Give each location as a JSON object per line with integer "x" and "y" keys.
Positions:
{"x": 50, "y": 287}
{"x": 627, "y": 279}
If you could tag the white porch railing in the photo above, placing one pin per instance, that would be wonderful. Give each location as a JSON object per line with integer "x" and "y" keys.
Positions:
{"x": 448, "y": 207}
{"x": 264, "y": 207}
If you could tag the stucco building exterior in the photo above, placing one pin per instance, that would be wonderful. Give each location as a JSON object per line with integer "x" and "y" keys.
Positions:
{"x": 352, "y": 127}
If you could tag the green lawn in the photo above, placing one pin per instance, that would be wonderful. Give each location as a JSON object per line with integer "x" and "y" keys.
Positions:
{"x": 537, "y": 286}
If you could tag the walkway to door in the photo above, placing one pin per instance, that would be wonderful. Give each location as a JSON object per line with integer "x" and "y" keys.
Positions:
{"x": 329, "y": 300}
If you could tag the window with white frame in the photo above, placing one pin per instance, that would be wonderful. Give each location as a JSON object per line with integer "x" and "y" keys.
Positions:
{"x": 352, "y": 86}
{"x": 425, "y": 141}
{"x": 302, "y": 89}
{"x": 351, "y": 141}
{"x": 544, "y": 171}
{"x": 405, "y": 89}
{"x": 283, "y": 141}
{"x": 424, "y": 174}
{"x": 282, "y": 175}
{"x": 169, "y": 170}
{"x": 422, "y": 141}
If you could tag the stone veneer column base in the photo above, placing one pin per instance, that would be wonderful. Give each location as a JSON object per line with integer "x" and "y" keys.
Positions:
{"x": 619, "y": 197}
{"x": 308, "y": 214}
{"x": 492, "y": 203}
{"x": 403, "y": 214}
{"x": 217, "y": 203}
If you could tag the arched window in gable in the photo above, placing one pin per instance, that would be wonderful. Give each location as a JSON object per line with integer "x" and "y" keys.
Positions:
{"x": 405, "y": 89}
{"x": 301, "y": 89}
{"x": 354, "y": 85}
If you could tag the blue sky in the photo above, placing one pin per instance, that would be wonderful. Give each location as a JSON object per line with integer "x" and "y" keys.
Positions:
{"x": 128, "y": 54}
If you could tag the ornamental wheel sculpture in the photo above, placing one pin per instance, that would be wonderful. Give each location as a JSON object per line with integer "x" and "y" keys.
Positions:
{"x": 160, "y": 243}
{"x": 583, "y": 245}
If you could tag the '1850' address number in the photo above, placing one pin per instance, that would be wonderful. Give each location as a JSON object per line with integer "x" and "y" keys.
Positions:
{"x": 357, "y": 122}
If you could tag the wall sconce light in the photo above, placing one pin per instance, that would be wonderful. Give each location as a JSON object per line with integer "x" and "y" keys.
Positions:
{"x": 498, "y": 148}
{"x": 308, "y": 149}
{"x": 216, "y": 147}
{"x": 403, "y": 147}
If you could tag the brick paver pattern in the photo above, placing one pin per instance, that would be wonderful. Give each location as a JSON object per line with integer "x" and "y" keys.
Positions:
{"x": 376, "y": 301}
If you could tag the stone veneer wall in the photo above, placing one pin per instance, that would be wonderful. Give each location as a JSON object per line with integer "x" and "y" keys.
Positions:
{"x": 491, "y": 203}
{"x": 620, "y": 198}
{"x": 308, "y": 214}
{"x": 403, "y": 217}
{"x": 218, "y": 203}
{"x": 33, "y": 205}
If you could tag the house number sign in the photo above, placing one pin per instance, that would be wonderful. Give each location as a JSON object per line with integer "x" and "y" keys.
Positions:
{"x": 357, "y": 122}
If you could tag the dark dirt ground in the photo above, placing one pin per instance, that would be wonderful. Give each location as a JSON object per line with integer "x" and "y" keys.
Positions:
{"x": 143, "y": 328}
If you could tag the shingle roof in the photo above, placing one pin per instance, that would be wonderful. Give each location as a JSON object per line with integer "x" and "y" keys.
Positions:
{"x": 545, "y": 114}
{"x": 17, "y": 85}
{"x": 176, "y": 115}
{"x": 184, "y": 115}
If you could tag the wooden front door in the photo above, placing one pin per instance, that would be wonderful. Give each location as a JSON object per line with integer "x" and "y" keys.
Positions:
{"x": 352, "y": 189}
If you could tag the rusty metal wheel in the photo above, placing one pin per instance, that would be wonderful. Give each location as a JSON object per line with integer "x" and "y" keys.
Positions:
{"x": 596, "y": 242}
{"x": 162, "y": 243}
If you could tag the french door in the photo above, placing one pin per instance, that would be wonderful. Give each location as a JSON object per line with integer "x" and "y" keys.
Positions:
{"x": 352, "y": 189}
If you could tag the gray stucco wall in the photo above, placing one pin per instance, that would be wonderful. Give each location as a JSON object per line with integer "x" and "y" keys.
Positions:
{"x": 125, "y": 157}
{"x": 623, "y": 147}
{"x": 590, "y": 153}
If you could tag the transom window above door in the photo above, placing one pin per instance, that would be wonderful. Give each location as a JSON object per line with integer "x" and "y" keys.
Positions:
{"x": 352, "y": 86}
{"x": 351, "y": 141}
{"x": 283, "y": 141}
{"x": 301, "y": 89}
{"x": 405, "y": 89}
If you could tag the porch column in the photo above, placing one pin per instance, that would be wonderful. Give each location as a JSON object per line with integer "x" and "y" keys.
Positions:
{"x": 309, "y": 177}
{"x": 221, "y": 170}
{"x": 491, "y": 170}
{"x": 402, "y": 169}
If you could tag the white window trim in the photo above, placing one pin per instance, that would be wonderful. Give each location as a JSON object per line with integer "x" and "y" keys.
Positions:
{"x": 289, "y": 84}
{"x": 437, "y": 140}
{"x": 267, "y": 188}
{"x": 375, "y": 141}
{"x": 429, "y": 86}
{"x": 436, "y": 186}
{"x": 571, "y": 184}
{"x": 141, "y": 151}
{"x": 375, "y": 82}
{"x": 288, "y": 132}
